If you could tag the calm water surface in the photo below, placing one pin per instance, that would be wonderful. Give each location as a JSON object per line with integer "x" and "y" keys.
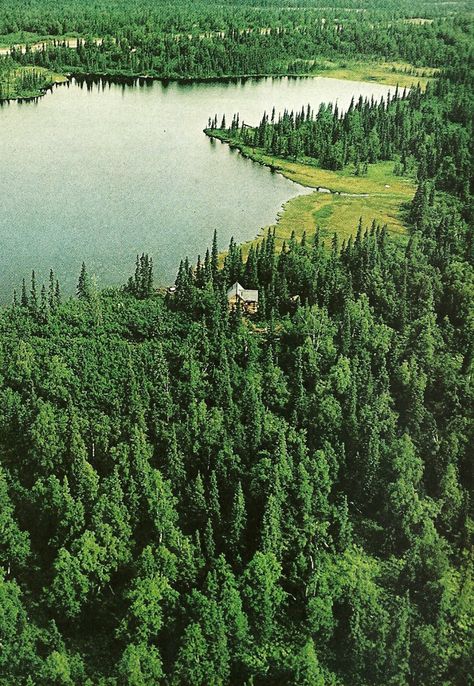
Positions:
{"x": 101, "y": 172}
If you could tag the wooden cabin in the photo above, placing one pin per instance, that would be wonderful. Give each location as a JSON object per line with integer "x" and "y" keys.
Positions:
{"x": 248, "y": 298}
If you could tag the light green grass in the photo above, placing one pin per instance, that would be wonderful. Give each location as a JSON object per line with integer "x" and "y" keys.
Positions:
{"x": 338, "y": 214}
{"x": 403, "y": 74}
{"x": 335, "y": 214}
{"x": 385, "y": 198}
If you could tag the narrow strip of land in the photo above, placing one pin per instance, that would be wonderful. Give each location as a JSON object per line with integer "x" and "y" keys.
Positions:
{"x": 393, "y": 73}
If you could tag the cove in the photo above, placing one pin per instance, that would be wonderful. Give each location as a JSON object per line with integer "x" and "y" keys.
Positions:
{"x": 97, "y": 171}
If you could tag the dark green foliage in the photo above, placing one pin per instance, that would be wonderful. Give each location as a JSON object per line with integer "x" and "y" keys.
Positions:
{"x": 189, "y": 496}
{"x": 423, "y": 128}
{"x": 205, "y": 40}
{"x": 84, "y": 285}
{"x": 141, "y": 285}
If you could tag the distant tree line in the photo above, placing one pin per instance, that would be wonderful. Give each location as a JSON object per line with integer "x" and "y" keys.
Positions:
{"x": 202, "y": 41}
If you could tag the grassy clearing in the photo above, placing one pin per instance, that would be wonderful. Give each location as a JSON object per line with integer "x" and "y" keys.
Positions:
{"x": 403, "y": 74}
{"x": 336, "y": 214}
{"x": 385, "y": 198}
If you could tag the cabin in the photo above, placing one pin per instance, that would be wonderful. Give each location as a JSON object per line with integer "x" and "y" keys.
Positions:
{"x": 248, "y": 298}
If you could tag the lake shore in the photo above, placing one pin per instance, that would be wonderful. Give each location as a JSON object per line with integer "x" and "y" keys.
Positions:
{"x": 401, "y": 74}
{"x": 378, "y": 196}
{"x": 234, "y": 196}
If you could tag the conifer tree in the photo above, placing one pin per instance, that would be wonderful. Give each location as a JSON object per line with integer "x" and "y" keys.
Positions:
{"x": 83, "y": 285}
{"x": 214, "y": 257}
{"x": 197, "y": 503}
{"x": 33, "y": 301}
{"x": 192, "y": 664}
{"x": 238, "y": 521}
{"x": 24, "y": 297}
{"x": 308, "y": 671}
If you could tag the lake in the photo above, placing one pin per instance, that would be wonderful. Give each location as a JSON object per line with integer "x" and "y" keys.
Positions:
{"x": 98, "y": 172}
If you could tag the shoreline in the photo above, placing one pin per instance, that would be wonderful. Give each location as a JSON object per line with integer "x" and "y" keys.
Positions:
{"x": 345, "y": 73}
{"x": 333, "y": 204}
{"x": 260, "y": 157}
{"x": 334, "y": 200}
{"x": 56, "y": 80}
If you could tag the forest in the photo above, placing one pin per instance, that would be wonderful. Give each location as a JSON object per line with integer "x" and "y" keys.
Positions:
{"x": 194, "y": 496}
{"x": 185, "y": 40}
{"x": 426, "y": 131}
{"x": 24, "y": 82}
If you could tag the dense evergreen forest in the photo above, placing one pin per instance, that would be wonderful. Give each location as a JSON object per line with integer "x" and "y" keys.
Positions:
{"x": 186, "y": 40}
{"x": 191, "y": 496}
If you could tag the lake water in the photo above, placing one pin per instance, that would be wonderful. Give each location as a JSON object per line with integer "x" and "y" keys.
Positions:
{"x": 99, "y": 172}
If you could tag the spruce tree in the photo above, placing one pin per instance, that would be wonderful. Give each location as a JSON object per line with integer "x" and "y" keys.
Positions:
{"x": 83, "y": 285}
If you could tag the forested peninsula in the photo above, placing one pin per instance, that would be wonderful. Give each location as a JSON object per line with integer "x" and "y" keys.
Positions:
{"x": 203, "y": 489}
{"x": 369, "y": 157}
